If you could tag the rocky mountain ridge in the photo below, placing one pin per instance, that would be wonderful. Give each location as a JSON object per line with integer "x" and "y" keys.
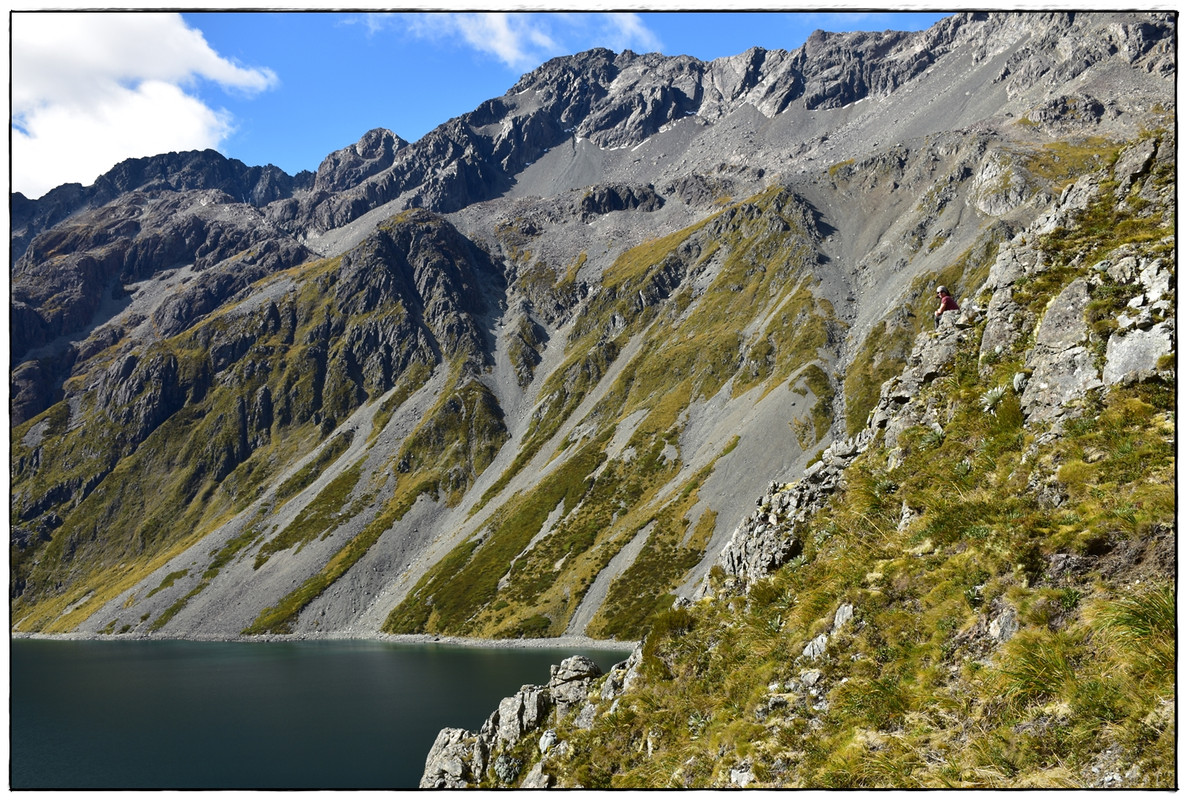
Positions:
{"x": 440, "y": 386}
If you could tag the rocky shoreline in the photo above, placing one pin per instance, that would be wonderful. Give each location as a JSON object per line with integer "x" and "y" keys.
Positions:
{"x": 557, "y": 643}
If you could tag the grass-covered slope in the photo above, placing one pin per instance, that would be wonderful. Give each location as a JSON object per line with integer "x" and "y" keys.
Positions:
{"x": 988, "y": 597}
{"x": 996, "y": 640}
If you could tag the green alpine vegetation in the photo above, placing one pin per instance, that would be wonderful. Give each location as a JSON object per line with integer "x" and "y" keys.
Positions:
{"x": 905, "y": 695}
{"x": 987, "y": 599}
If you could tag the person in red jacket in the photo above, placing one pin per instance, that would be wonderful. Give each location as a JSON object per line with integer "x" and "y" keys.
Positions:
{"x": 947, "y": 303}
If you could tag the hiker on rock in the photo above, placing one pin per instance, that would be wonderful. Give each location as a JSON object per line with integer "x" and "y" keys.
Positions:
{"x": 947, "y": 303}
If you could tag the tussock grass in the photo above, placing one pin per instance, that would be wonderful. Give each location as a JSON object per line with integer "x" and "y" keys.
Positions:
{"x": 999, "y": 639}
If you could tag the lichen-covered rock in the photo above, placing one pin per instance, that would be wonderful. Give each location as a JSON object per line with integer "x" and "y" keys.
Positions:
{"x": 570, "y": 682}
{"x": 449, "y": 764}
{"x": 507, "y": 768}
{"x": 1136, "y": 356}
{"x": 1063, "y": 368}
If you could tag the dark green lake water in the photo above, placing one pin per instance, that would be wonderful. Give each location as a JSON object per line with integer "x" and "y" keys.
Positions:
{"x": 237, "y": 715}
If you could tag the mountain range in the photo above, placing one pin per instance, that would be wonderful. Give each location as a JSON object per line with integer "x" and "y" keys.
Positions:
{"x": 527, "y": 376}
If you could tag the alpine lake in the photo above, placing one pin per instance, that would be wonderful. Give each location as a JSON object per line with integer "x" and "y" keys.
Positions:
{"x": 323, "y": 714}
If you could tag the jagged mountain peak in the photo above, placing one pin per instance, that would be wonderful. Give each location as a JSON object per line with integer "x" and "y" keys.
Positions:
{"x": 373, "y": 152}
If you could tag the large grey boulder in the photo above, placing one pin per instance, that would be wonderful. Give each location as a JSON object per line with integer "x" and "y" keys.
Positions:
{"x": 1134, "y": 356}
{"x": 934, "y": 357}
{"x": 569, "y": 683}
{"x": 522, "y": 712}
{"x": 1004, "y": 322}
{"x": 1063, "y": 369}
{"x": 450, "y": 760}
{"x": 1064, "y": 327}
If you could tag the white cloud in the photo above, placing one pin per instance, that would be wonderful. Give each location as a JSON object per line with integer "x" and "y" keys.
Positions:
{"x": 515, "y": 39}
{"x": 90, "y": 90}
{"x": 627, "y": 32}
{"x": 523, "y": 41}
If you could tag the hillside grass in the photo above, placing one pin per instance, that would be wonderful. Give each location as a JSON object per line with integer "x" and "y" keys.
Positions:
{"x": 911, "y": 694}
{"x": 1013, "y": 599}
{"x": 448, "y": 450}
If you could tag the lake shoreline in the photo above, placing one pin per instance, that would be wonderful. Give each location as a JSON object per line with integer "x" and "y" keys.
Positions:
{"x": 557, "y": 643}
{"x": 331, "y": 713}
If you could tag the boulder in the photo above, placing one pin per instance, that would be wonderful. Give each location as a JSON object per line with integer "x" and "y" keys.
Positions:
{"x": 569, "y": 683}
{"x": 843, "y": 615}
{"x": 1134, "y": 356}
{"x": 448, "y": 765}
{"x": 522, "y": 712}
{"x": 816, "y": 647}
{"x": 1003, "y": 626}
{"x": 935, "y": 356}
{"x": 1063, "y": 370}
{"x": 1004, "y": 322}
{"x": 1057, "y": 382}
{"x": 742, "y": 775}
{"x": 1063, "y": 326}
{"x": 548, "y": 740}
{"x": 537, "y": 778}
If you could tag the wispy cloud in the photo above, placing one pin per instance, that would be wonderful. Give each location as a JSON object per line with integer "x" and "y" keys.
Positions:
{"x": 89, "y": 90}
{"x": 627, "y": 32}
{"x": 520, "y": 40}
{"x": 872, "y": 20}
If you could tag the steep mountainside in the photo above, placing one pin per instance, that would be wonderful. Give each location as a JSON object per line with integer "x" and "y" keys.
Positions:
{"x": 525, "y": 376}
{"x": 975, "y": 590}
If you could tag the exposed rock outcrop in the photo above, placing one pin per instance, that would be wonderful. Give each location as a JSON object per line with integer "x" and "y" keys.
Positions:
{"x": 460, "y": 758}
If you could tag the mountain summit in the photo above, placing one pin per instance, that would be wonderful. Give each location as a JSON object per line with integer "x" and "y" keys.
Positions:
{"x": 526, "y": 376}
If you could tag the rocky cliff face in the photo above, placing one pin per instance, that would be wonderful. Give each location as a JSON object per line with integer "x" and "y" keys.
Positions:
{"x": 525, "y": 376}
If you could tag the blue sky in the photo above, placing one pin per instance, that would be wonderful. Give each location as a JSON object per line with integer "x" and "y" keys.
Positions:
{"x": 287, "y": 88}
